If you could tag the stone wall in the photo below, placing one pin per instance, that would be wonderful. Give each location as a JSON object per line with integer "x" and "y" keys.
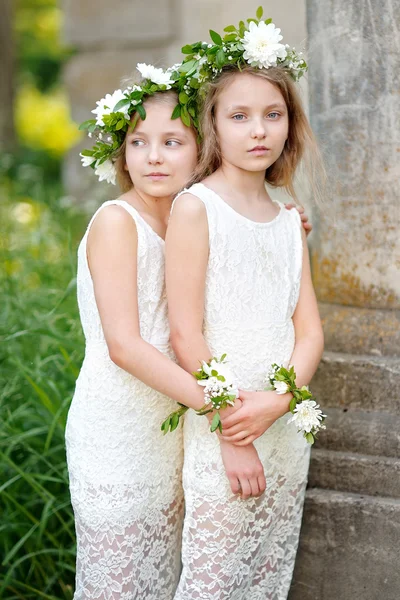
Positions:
{"x": 350, "y": 540}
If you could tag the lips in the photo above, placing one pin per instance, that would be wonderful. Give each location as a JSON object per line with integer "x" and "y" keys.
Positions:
{"x": 157, "y": 175}
{"x": 259, "y": 149}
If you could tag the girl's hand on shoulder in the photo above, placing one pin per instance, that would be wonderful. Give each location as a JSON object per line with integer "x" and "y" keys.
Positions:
{"x": 244, "y": 470}
{"x": 258, "y": 412}
{"x": 303, "y": 216}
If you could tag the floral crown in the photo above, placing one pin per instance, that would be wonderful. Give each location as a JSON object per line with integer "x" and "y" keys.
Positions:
{"x": 256, "y": 44}
{"x": 114, "y": 112}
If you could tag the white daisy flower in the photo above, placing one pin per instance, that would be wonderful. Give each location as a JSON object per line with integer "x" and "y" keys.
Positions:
{"x": 261, "y": 45}
{"x": 106, "y": 105}
{"x": 281, "y": 387}
{"x": 87, "y": 161}
{"x": 155, "y": 75}
{"x": 307, "y": 416}
{"x": 106, "y": 172}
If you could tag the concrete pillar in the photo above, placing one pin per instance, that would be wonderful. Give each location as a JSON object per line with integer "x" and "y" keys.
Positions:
{"x": 351, "y": 527}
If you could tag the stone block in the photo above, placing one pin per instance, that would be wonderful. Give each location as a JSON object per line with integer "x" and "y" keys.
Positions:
{"x": 361, "y": 382}
{"x": 120, "y": 24}
{"x": 359, "y": 431}
{"x": 356, "y": 473}
{"x": 349, "y": 548}
{"x": 361, "y": 330}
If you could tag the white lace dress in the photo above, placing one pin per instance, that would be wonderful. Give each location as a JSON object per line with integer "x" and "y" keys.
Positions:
{"x": 125, "y": 475}
{"x": 237, "y": 549}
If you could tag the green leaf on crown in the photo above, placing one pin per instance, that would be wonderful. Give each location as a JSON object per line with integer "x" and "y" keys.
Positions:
{"x": 176, "y": 113}
{"x": 188, "y": 49}
{"x": 185, "y": 116}
{"x": 121, "y": 103}
{"x": 183, "y": 98}
{"x": 216, "y": 38}
{"x": 259, "y": 12}
{"x": 142, "y": 113}
{"x": 220, "y": 59}
{"x": 87, "y": 124}
{"x": 230, "y": 28}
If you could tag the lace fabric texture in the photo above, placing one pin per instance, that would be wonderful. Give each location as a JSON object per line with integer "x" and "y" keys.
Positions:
{"x": 234, "y": 549}
{"x": 125, "y": 476}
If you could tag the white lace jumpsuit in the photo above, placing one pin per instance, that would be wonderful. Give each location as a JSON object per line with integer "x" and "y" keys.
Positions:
{"x": 125, "y": 475}
{"x": 237, "y": 549}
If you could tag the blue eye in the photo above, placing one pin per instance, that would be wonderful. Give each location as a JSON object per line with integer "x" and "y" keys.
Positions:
{"x": 172, "y": 143}
{"x": 274, "y": 113}
{"x": 238, "y": 117}
{"x": 137, "y": 142}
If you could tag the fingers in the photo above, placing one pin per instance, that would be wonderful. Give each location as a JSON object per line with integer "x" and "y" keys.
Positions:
{"x": 231, "y": 420}
{"x": 235, "y": 485}
{"x": 232, "y": 430}
{"x": 255, "y": 490}
{"x": 246, "y": 488}
{"x": 262, "y": 484}
{"x": 238, "y": 437}
{"x": 246, "y": 441}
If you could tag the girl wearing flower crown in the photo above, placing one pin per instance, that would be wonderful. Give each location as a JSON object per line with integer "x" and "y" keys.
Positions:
{"x": 238, "y": 282}
{"x": 125, "y": 476}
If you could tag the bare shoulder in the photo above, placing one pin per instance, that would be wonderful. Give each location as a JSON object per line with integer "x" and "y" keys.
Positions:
{"x": 113, "y": 227}
{"x": 189, "y": 206}
{"x": 113, "y": 220}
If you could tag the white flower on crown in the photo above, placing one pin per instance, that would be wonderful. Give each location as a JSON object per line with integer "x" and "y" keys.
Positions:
{"x": 106, "y": 172}
{"x": 261, "y": 45}
{"x": 173, "y": 68}
{"x": 106, "y": 105}
{"x": 307, "y": 416}
{"x": 87, "y": 161}
{"x": 157, "y": 76}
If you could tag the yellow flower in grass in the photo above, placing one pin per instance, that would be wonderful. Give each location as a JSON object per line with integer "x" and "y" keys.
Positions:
{"x": 43, "y": 121}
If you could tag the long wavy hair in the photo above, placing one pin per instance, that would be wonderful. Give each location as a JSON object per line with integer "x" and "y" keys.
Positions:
{"x": 300, "y": 147}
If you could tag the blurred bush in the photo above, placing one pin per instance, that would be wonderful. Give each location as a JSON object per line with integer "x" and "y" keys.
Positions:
{"x": 41, "y": 349}
{"x": 42, "y": 113}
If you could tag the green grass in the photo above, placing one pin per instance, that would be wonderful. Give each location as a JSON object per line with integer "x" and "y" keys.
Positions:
{"x": 41, "y": 349}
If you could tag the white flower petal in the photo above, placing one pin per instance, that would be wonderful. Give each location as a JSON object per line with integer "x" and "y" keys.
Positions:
{"x": 106, "y": 172}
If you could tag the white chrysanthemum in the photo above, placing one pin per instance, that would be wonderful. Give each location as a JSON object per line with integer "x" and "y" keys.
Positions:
{"x": 87, "y": 161}
{"x": 307, "y": 416}
{"x": 106, "y": 172}
{"x": 261, "y": 45}
{"x": 155, "y": 75}
{"x": 106, "y": 105}
{"x": 281, "y": 387}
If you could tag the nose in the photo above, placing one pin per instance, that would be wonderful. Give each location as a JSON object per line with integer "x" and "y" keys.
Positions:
{"x": 155, "y": 155}
{"x": 259, "y": 130}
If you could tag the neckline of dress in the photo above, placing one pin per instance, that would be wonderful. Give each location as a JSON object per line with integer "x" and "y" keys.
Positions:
{"x": 240, "y": 216}
{"x": 142, "y": 219}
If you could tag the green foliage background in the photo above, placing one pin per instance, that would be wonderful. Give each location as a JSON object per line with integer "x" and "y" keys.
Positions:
{"x": 41, "y": 343}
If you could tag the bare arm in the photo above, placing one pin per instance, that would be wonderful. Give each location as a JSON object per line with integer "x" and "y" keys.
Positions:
{"x": 112, "y": 257}
{"x": 261, "y": 409}
{"x": 187, "y": 251}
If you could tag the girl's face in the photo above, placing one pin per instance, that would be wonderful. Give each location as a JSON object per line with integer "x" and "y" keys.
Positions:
{"x": 161, "y": 153}
{"x": 252, "y": 122}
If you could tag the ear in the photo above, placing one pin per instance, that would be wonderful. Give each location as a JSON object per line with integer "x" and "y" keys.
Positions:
{"x": 126, "y": 167}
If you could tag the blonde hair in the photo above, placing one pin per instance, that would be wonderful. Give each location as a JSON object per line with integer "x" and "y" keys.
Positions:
{"x": 123, "y": 178}
{"x": 300, "y": 146}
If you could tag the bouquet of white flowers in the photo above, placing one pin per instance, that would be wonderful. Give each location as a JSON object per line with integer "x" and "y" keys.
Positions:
{"x": 307, "y": 414}
{"x": 220, "y": 392}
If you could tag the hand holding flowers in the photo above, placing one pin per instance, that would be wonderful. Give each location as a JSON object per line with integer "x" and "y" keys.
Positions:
{"x": 261, "y": 409}
{"x": 220, "y": 393}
